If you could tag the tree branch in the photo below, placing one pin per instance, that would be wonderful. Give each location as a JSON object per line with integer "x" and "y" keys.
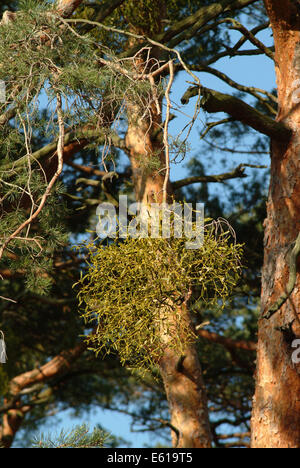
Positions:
{"x": 86, "y": 169}
{"x": 256, "y": 92}
{"x": 236, "y": 173}
{"x": 237, "y": 151}
{"x": 200, "y": 18}
{"x": 253, "y": 31}
{"x": 7, "y": 115}
{"x": 80, "y": 138}
{"x": 211, "y": 125}
{"x": 232, "y": 53}
{"x": 66, "y": 7}
{"x": 53, "y": 368}
{"x": 227, "y": 342}
{"x": 196, "y": 20}
{"x": 213, "y": 101}
{"x": 248, "y": 35}
{"x": 104, "y": 11}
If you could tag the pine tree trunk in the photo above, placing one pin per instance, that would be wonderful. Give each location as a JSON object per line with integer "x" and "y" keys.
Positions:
{"x": 182, "y": 375}
{"x": 276, "y": 406}
{"x": 186, "y": 393}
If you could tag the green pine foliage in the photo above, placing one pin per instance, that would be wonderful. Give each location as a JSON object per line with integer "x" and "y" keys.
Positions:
{"x": 42, "y": 57}
{"x": 77, "y": 438}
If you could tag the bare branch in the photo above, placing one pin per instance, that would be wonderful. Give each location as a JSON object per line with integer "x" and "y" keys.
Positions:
{"x": 79, "y": 137}
{"x": 253, "y": 31}
{"x": 253, "y": 91}
{"x": 213, "y": 101}
{"x": 232, "y": 53}
{"x": 201, "y": 17}
{"x": 6, "y": 116}
{"x": 7, "y": 298}
{"x": 51, "y": 369}
{"x": 211, "y": 125}
{"x": 239, "y": 172}
{"x": 237, "y": 151}
{"x": 248, "y": 35}
{"x": 104, "y": 11}
{"x": 227, "y": 342}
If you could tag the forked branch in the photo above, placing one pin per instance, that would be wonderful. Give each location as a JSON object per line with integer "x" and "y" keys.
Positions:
{"x": 213, "y": 101}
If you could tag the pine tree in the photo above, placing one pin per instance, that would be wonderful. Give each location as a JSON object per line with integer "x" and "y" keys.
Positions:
{"x": 97, "y": 60}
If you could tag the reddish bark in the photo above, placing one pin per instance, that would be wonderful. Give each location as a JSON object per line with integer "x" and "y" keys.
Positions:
{"x": 11, "y": 423}
{"x": 145, "y": 150}
{"x": 276, "y": 406}
{"x": 186, "y": 392}
{"x": 67, "y": 7}
{"x": 53, "y": 368}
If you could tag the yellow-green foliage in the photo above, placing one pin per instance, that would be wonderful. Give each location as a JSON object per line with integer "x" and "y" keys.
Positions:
{"x": 133, "y": 285}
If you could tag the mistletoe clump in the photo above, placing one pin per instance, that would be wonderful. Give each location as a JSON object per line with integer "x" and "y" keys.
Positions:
{"x": 135, "y": 292}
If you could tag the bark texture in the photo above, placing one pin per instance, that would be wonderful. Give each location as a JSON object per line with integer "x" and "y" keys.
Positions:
{"x": 182, "y": 375}
{"x": 11, "y": 423}
{"x": 183, "y": 384}
{"x": 186, "y": 393}
{"x": 276, "y": 405}
{"x": 147, "y": 157}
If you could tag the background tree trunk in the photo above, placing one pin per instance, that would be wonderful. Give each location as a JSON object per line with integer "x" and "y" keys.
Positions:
{"x": 276, "y": 407}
